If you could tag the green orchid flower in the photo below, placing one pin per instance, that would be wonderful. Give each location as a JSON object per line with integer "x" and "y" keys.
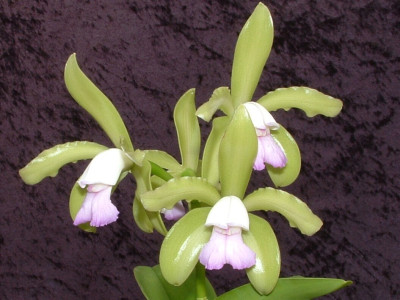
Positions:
{"x": 276, "y": 147}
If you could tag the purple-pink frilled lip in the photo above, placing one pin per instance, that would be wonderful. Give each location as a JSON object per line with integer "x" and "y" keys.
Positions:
{"x": 229, "y": 217}
{"x": 99, "y": 177}
{"x": 269, "y": 151}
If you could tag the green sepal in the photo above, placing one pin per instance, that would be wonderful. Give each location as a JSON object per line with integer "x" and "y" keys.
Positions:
{"x": 251, "y": 53}
{"x": 311, "y": 101}
{"x": 188, "y": 130}
{"x": 142, "y": 217}
{"x": 76, "y": 198}
{"x": 292, "y": 208}
{"x": 184, "y": 188}
{"x": 291, "y": 288}
{"x": 51, "y": 160}
{"x": 181, "y": 247}
{"x": 209, "y": 167}
{"x": 262, "y": 240}
{"x": 88, "y": 96}
{"x": 237, "y": 153}
{"x": 220, "y": 99}
{"x": 288, "y": 174}
{"x": 155, "y": 287}
{"x": 164, "y": 160}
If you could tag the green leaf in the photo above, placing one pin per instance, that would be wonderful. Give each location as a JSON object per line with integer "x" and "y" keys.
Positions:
{"x": 188, "y": 130}
{"x": 220, "y": 99}
{"x": 181, "y": 247}
{"x": 237, "y": 153}
{"x": 209, "y": 167}
{"x": 76, "y": 198}
{"x": 142, "y": 217}
{"x": 87, "y": 95}
{"x": 251, "y": 53}
{"x": 288, "y": 174}
{"x": 184, "y": 188}
{"x": 262, "y": 240}
{"x": 164, "y": 160}
{"x": 311, "y": 101}
{"x": 51, "y": 160}
{"x": 292, "y": 208}
{"x": 155, "y": 287}
{"x": 292, "y": 288}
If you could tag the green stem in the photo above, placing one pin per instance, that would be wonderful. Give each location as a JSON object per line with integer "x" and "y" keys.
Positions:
{"x": 201, "y": 293}
{"x": 160, "y": 172}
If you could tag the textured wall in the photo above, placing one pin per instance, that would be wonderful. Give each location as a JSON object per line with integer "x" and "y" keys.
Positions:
{"x": 144, "y": 56}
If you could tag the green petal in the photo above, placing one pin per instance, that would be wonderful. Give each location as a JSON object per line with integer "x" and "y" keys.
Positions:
{"x": 251, "y": 53}
{"x": 288, "y": 174}
{"x": 209, "y": 167}
{"x": 237, "y": 153}
{"x": 164, "y": 160}
{"x": 292, "y": 208}
{"x": 155, "y": 287}
{"x": 142, "y": 217}
{"x": 181, "y": 247}
{"x": 188, "y": 130}
{"x": 220, "y": 99}
{"x": 76, "y": 198}
{"x": 184, "y": 188}
{"x": 87, "y": 95}
{"x": 51, "y": 160}
{"x": 311, "y": 101}
{"x": 292, "y": 288}
{"x": 262, "y": 240}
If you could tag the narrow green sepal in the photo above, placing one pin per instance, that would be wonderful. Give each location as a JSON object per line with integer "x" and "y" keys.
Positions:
{"x": 291, "y": 288}
{"x": 88, "y": 96}
{"x": 287, "y": 175}
{"x": 209, "y": 167}
{"x": 184, "y": 188}
{"x": 188, "y": 130}
{"x": 311, "y": 101}
{"x": 251, "y": 53}
{"x": 237, "y": 153}
{"x": 181, "y": 247}
{"x": 292, "y": 208}
{"x": 262, "y": 240}
{"x": 51, "y": 160}
{"x": 220, "y": 99}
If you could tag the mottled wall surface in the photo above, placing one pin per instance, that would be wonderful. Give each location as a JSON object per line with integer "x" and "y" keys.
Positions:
{"x": 144, "y": 55}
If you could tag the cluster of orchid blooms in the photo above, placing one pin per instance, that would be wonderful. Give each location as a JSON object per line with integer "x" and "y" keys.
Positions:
{"x": 218, "y": 227}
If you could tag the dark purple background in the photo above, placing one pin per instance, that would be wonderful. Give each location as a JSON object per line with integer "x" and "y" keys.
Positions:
{"x": 144, "y": 56}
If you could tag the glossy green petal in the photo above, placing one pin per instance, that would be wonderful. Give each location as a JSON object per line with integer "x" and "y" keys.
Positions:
{"x": 292, "y": 288}
{"x": 181, "y": 247}
{"x": 288, "y": 174}
{"x": 164, "y": 160}
{"x": 237, "y": 153}
{"x": 311, "y": 101}
{"x": 51, "y": 160}
{"x": 251, "y": 53}
{"x": 142, "y": 217}
{"x": 184, "y": 188}
{"x": 292, "y": 208}
{"x": 188, "y": 130}
{"x": 155, "y": 287}
{"x": 262, "y": 240}
{"x": 83, "y": 90}
{"x": 220, "y": 99}
{"x": 76, "y": 198}
{"x": 209, "y": 167}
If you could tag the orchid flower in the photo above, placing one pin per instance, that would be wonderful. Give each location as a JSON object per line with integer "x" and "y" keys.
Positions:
{"x": 100, "y": 176}
{"x": 228, "y": 217}
{"x": 175, "y": 213}
{"x": 269, "y": 151}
